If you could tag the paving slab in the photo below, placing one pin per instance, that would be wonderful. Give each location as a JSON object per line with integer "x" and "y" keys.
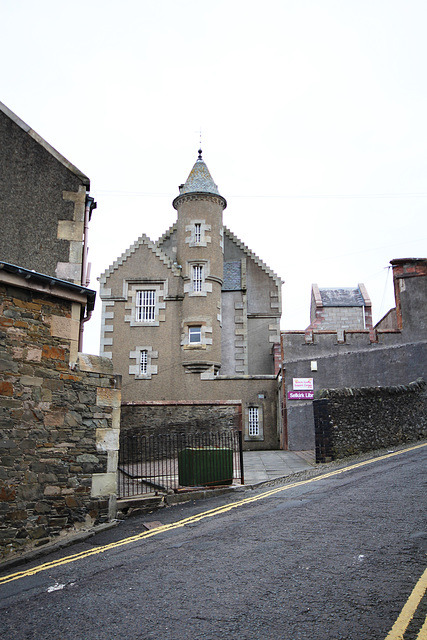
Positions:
{"x": 261, "y": 466}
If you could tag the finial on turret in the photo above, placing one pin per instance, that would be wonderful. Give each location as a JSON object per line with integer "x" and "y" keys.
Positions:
{"x": 200, "y": 145}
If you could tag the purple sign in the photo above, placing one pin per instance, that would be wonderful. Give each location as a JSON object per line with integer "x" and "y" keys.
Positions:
{"x": 300, "y": 395}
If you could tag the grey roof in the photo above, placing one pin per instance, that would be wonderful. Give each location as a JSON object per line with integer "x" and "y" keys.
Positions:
{"x": 199, "y": 180}
{"x": 232, "y": 276}
{"x": 48, "y": 281}
{"x": 341, "y": 297}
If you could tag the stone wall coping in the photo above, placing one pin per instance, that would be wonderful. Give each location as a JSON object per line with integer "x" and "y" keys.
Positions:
{"x": 333, "y": 331}
{"x": 371, "y": 348}
{"x": 412, "y": 387}
{"x": 269, "y": 376}
{"x": 172, "y": 403}
{"x": 95, "y": 364}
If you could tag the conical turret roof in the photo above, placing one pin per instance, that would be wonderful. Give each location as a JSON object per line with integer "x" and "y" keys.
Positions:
{"x": 199, "y": 180}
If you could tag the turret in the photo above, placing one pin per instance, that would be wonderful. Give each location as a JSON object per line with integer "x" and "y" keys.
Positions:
{"x": 200, "y": 253}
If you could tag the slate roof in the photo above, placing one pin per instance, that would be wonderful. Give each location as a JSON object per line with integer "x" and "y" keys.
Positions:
{"x": 199, "y": 179}
{"x": 232, "y": 279}
{"x": 49, "y": 282}
{"x": 341, "y": 297}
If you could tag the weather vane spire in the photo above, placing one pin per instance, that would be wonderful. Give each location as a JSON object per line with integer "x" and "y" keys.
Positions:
{"x": 200, "y": 144}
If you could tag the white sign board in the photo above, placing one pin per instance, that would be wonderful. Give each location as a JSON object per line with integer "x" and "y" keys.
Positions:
{"x": 303, "y": 384}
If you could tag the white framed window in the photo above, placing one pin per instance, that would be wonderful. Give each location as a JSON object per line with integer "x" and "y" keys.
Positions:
{"x": 197, "y": 233}
{"x": 143, "y": 362}
{"x": 197, "y": 277}
{"x": 195, "y": 334}
{"x": 145, "y": 305}
{"x": 253, "y": 422}
{"x": 145, "y": 302}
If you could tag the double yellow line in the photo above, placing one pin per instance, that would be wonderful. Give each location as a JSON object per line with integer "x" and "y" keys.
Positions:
{"x": 398, "y": 630}
{"x": 419, "y": 589}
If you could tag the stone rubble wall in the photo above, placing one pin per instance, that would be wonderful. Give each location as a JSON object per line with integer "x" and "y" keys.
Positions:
{"x": 59, "y": 426}
{"x": 352, "y": 421}
{"x": 157, "y": 418}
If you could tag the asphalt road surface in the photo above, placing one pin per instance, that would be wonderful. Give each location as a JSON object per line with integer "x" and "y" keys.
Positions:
{"x": 341, "y": 555}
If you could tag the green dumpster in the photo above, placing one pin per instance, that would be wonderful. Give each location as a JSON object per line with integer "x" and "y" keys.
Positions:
{"x": 205, "y": 466}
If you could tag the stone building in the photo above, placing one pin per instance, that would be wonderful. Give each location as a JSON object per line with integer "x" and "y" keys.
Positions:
{"x": 45, "y": 204}
{"x": 59, "y": 415}
{"x": 59, "y": 409}
{"x": 192, "y": 319}
{"x": 341, "y": 309}
{"x": 392, "y": 353}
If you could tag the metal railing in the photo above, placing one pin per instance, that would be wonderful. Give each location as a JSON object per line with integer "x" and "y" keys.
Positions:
{"x": 174, "y": 461}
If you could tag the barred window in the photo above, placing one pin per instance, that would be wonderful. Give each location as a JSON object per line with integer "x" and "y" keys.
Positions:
{"x": 197, "y": 232}
{"x": 143, "y": 362}
{"x": 253, "y": 421}
{"x": 197, "y": 278}
{"x": 145, "y": 307}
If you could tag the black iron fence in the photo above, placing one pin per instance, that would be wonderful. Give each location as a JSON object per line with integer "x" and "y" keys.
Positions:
{"x": 174, "y": 461}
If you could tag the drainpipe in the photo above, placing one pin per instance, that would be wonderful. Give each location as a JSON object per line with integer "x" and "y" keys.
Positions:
{"x": 283, "y": 407}
{"x": 90, "y": 205}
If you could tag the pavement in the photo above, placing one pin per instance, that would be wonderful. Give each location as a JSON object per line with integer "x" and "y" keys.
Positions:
{"x": 262, "y": 466}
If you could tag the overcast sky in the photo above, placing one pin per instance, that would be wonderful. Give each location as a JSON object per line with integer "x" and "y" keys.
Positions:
{"x": 313, "y": 116}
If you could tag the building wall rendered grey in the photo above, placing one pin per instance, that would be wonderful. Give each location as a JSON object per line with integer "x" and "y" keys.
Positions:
{"x": 375, "y": 366}
{"x": 413, "y": 294}
{"x": 383, "y": 357}
{"x": 260, "y": 359}
{"x": 400, "y": 364}
{"x": 231, "y": 300}
{"x": 32, "y": 203}
{"x": 301, "y": 436}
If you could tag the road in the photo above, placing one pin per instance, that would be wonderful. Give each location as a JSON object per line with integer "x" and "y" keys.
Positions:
{"x": 333, "y": 557}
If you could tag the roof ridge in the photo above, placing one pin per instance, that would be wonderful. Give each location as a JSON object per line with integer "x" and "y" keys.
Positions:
{"x": 253, "y": 255}
{"x": 42, "y": 142}
{"x": 143, "y": 239}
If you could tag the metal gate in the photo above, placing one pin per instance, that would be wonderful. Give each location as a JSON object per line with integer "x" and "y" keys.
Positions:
{"x": 174, "y": 461}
